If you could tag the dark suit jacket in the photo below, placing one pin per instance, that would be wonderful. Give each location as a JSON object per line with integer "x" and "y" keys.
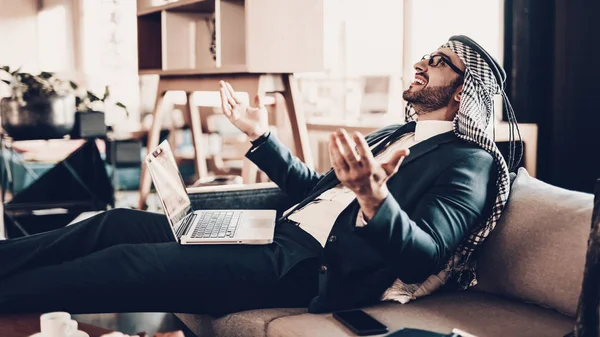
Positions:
{"x": 443, "y": 190}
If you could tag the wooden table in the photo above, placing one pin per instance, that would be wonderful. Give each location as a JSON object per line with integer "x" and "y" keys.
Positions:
{"x": 29, "y": 324}
{"x": 529, "y": 134}
{"x": 251, "y": 83}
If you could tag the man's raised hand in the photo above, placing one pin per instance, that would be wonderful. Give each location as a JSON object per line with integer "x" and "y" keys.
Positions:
{"x": 360, "y": 172}
{"x": 253, "y": 121}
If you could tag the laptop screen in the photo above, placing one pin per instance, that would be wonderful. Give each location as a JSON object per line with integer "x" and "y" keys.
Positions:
{"x": 168, "y": 183}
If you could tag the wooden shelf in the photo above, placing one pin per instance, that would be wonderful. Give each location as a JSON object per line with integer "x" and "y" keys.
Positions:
{"x": 191, "y": 37}
{"x": 150, "y": 41}
{"x": 529, "y": 134}
{"x": 186, "y": 40}
{"x": 200, "y": 71}
{"x": 181, "y": 6}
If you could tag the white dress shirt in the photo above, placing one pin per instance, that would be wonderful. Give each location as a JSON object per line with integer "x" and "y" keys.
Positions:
{"x": 318, "y": 217}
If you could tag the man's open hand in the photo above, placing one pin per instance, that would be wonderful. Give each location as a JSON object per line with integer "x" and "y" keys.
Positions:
{"x": 360, "y": 172}
{"x": 253, "y": 121}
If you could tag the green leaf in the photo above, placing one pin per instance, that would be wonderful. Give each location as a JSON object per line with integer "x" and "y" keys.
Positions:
{"x": 6, "y": 68}
{"x": 16, "y": 71}
{"x": 121, "y": 105}
{"x": 106, "y": 93}
{"x": 93, "y": 98}
{"x": 46, "y": 75}
{"x": 6, "y": 81}
{"x": 73, "y": 85}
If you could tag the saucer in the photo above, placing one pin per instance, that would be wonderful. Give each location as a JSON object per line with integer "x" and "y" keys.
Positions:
{"x": 77, "y": 333}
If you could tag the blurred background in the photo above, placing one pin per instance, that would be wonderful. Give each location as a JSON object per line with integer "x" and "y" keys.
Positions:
{"x": 365, "y": 52}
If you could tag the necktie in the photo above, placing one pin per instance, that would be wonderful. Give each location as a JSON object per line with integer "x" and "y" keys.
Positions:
{"x": 330, "y": 180}
{"x": 401, "y": 131}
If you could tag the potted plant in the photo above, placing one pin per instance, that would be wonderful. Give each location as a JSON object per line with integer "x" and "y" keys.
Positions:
{"x": 90, "y": 116}
{"x": 40, "y": 106}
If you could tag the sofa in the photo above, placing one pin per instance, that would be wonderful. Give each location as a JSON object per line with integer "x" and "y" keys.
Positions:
{"x": 530, "y": 272}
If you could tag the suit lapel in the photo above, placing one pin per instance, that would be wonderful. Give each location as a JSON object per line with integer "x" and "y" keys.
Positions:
{"x": 427, "y": 146}
{"x": 329, "y": 179}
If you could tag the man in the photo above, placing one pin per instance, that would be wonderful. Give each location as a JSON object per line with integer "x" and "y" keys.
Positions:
{"x": 399, "y": 216}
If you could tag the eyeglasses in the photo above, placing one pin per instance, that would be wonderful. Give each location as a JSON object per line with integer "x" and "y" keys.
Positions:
{"x": 435, "y": 60}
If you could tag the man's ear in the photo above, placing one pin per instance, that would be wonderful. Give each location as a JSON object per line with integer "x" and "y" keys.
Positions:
{"x": 458, "y": 94}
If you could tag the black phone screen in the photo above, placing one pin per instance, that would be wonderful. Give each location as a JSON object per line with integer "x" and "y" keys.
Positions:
{"x": 360, "y": 322}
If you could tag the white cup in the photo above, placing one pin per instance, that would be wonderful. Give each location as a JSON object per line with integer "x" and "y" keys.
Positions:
{"x": 57, "y": 324}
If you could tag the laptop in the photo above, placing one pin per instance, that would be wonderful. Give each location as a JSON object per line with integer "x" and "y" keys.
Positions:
{"x": 192, "y": 227}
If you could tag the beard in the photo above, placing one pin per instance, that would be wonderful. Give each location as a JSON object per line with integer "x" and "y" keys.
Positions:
{"x": 431, "y": 99}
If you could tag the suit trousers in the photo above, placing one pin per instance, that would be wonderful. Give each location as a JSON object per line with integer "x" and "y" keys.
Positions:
{"x": 128, "y": 261}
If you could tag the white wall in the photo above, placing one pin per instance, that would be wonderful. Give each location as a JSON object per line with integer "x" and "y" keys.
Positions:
{"x": 37, "y": 38}
{"x": 363, "y": 38}
{"x": 430, "y": 23}
{"x": 18, "y": 36}
{"x": 374, "y": 31}
{"x": 55, "y": 36}
{"x": 108, "y": 52}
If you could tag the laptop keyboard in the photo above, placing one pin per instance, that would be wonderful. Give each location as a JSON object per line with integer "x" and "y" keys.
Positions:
{"x": 217, "y": 224}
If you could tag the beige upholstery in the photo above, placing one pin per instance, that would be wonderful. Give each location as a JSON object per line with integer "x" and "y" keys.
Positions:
{"x": 537, "y": 252}
{"x": 477, "y": 313}
{"x": 482, "y": 314}
{"x": 245, "y": 323}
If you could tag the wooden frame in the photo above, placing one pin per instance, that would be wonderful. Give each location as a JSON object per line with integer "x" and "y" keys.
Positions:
{"x": 253, "y": 84}
{"x": 258, "y": 45}
{"x": 253, "y": 36}
{"x": 529, "y": 134}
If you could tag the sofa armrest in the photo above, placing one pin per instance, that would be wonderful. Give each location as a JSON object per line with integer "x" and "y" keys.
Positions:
{"x": 587, "y": 322}
{"x": 251, "y": 196}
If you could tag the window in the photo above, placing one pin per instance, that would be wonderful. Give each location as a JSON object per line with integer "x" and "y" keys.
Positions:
{"x": 54, "y": 45}
{"x": 109, "y": 53}
{"x": 370, "y": 49}
{"x": 19, "y": 48}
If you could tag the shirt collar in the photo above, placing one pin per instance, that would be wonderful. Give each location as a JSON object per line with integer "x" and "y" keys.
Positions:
{"x": 427, "y": 129}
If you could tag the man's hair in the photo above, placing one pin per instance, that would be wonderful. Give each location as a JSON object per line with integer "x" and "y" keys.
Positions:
{"x": 457, "y": 82}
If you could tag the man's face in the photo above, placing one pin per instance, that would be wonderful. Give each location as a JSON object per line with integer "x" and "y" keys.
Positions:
{"x": 435, "y": 85}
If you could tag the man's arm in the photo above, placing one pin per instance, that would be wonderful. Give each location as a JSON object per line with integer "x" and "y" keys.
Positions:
{"x": 291, "y": 175}
{"x": 418, "y": 245}
{"x": 287, "y": 171}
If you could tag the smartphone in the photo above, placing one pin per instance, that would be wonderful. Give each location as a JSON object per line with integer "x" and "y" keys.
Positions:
{"x": 360, "y": 322}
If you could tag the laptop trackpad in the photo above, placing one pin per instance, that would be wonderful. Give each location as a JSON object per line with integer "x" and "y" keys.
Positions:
{"x": 259, "y": 223}
{"x": 259, "y": 219}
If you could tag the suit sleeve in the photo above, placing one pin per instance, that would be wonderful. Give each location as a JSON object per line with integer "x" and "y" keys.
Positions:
{"x": 456, "y": 203}
{"x": 287, "y": 171}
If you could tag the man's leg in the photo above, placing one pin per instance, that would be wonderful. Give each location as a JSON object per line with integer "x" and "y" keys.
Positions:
{"x": 114, "y": 227}
{"x": 210, "y": 279}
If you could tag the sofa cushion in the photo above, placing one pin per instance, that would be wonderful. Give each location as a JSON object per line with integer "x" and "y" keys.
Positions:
{"x": 537, "y": 251}
{"x": 477, "y": 313}
{"x": 200, "y": 325}
{"x": 245, "y": 323}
